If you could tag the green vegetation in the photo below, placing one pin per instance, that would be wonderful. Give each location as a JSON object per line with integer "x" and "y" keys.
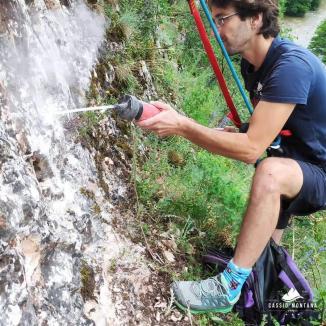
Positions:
{"x": 208, "y": 192}
{"x": 300, "y": 7}
{"x": 318, "y": 42}
{"x": 87, "y": 276}
{"x": 196, "y": 197}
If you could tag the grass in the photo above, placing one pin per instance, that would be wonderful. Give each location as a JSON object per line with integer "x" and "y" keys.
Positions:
{"x": 207, "y": 194}
{"x": 205, "y": 199}
{"x": 197, "y": 197}
{"x": 307, "y": 244}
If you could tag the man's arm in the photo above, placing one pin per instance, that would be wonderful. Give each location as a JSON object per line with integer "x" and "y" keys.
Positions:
{"x": 266, "y": 122}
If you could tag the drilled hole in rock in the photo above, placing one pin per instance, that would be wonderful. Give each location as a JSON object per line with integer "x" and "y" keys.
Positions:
{"x": 41, "y": 167}
{"x": 65, "y": 3}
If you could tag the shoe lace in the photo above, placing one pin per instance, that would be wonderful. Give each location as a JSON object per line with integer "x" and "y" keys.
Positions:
{"x": 209, "y": 288}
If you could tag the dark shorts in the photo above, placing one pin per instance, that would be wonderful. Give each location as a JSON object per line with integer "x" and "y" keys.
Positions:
{"x": 311, "y": 198}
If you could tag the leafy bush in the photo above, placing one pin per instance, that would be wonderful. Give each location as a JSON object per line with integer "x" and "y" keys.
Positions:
{"x": 297, "y": 7}
{"x": 314, "y": 4}
{"x": 318, "y": 42}
{"x": 300, "y": 7}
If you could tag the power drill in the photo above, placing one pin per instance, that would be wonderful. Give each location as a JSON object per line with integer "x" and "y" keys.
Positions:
{"x": 129, "y": 108}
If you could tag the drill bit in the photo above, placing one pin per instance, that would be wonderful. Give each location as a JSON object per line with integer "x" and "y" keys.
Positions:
{"x": 92, "y": 108}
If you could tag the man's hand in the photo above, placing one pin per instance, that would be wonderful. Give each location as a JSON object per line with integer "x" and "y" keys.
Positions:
{"x": 167, "y": 123}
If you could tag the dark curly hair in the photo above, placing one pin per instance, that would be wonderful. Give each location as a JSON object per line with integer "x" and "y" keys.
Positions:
{"x": 250, "y": 8}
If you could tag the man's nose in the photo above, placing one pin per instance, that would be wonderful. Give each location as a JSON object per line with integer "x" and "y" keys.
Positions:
{"x": 218, "y": 27}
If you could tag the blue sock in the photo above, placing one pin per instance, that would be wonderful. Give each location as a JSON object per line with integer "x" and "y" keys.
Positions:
{"x": 233, "y": 278}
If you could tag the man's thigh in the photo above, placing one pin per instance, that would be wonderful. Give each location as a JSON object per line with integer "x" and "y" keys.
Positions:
{"x": 311, "y": 197}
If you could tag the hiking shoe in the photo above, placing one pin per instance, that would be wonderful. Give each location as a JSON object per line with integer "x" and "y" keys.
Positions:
{"x": 209, "y": 295}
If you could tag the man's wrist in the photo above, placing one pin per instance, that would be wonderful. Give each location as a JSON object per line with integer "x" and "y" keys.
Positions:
{"x": 183, "y": 126}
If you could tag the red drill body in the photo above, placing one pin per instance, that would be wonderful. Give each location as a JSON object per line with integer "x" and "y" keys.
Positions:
{"x": 149, "y": 111}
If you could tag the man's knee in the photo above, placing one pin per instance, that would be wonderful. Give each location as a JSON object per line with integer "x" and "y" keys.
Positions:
{"x": 270, "y": 166}
{"x": 267, "y": 177}
{"x": 281, "y": 175}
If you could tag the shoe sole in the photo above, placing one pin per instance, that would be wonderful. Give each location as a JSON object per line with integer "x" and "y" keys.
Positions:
{"x": 197, "y": 312}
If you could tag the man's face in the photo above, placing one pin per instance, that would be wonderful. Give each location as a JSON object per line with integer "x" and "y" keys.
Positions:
{"x": 234, "y": 32}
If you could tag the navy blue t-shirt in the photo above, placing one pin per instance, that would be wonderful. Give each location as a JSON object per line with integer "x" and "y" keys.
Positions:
{"x": 292, "y": 74}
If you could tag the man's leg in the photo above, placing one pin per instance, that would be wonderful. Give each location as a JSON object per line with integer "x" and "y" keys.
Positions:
{"x": 277, "y": 235}
{"x": 274, "y": 177}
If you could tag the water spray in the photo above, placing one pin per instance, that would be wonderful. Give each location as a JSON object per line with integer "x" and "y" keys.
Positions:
{"x": 128, "y": 108}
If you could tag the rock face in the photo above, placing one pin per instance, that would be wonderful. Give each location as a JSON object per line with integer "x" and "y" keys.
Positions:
{"x": 57, "y": 246}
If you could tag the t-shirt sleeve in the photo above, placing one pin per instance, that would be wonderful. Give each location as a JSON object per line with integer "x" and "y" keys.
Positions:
{"x": 289, "y": 81}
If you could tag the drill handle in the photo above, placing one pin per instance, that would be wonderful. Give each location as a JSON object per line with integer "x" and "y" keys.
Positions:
{"x": 147, "y": 111}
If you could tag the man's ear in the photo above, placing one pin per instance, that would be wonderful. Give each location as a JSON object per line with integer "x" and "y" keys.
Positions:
{"x": 256, "y": 21}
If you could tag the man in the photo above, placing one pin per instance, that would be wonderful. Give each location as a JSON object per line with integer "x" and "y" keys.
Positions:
{"x": 287, "y": 84}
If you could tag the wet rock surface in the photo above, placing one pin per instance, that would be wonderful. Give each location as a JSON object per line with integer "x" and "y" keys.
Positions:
{"x": 70, "y": 249}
